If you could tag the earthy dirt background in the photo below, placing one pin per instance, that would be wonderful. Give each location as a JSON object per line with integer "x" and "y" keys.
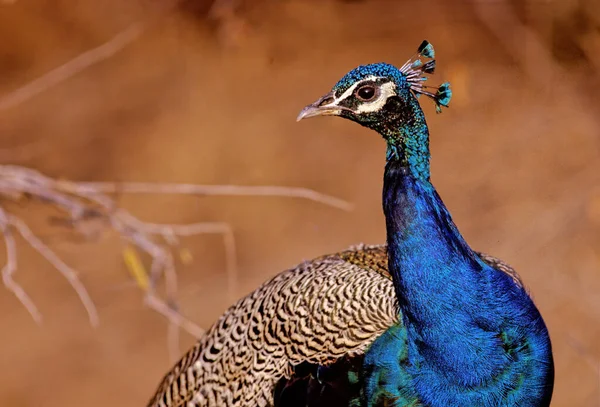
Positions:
{"x": 516, "y": 158}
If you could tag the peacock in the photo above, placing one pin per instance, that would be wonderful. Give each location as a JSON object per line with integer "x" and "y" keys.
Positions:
{"x": 422, "y": 321}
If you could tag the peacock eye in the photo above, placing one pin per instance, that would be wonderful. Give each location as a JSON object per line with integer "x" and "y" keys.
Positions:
{"x": 366, "y": 93}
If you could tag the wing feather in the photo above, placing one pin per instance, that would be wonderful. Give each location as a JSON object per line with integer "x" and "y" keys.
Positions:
{"x": 316, "y": 313}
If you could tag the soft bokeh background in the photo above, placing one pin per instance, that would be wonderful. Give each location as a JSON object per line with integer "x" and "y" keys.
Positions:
{"x": 213, "y": 100}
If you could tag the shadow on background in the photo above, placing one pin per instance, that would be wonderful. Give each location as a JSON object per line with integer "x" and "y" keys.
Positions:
{"x": 195, "y": 99}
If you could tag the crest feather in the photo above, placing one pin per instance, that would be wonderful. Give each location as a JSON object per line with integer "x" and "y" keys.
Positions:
{"x": 415, "y": 70}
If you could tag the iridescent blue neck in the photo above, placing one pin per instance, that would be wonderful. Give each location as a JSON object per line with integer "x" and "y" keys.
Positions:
{"x": 433, "y": 268}
{"x": 471, "y": 331}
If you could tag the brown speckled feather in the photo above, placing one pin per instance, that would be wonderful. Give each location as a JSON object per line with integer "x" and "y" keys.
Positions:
{"x": 317, "y": 312}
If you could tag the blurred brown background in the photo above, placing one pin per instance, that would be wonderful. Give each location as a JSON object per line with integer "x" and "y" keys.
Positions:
{"x": 211, "y": 98}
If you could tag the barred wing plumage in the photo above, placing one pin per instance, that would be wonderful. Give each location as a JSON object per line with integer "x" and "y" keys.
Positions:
{"x": 322, "y": 312}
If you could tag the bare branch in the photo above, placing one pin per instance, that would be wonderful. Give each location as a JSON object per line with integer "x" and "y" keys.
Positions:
{"x": 210, "y": 190}
{"x": 11, "y": 267}
{"x": 59, "y": 265}
{"x": 85, "y": 202}
{"x": 82, "y": 61}
{"x": 159, "y": 306}
{"x": 71, "y": 68}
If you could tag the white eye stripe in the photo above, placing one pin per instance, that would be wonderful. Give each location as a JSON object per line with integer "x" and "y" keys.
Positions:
{"x": 352, "y": 88}
{"x": 385, "y": 91}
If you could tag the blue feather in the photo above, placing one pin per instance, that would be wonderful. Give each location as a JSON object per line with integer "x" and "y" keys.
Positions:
{"x": 444, "y": 94}
{"x": 426, "y": 49}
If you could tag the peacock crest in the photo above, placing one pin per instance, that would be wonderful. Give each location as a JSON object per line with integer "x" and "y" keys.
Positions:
{"x": 416, "y": 70}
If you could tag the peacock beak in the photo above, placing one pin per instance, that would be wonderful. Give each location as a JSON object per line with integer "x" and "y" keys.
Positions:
{"x": 325, "y": 106}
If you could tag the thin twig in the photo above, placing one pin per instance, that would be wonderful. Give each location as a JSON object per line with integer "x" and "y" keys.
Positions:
{"x": 84, "y": 60}
{"x": 64, "y": 269}
{"x": 89, "y": 201}
{"x": 71, "y": 68}
{"x": 173, "y": 316}
{"x": 23, "y": 176}
{"x": 213, "y": 190}
{"x": 11, "y": 267}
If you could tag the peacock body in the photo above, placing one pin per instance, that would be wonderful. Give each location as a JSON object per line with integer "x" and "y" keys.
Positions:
{"x": 268, "y": 347}
{"x": 425, "y": 321}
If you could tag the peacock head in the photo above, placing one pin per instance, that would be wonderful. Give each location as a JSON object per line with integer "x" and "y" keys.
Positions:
{"x": 379, "y": 96}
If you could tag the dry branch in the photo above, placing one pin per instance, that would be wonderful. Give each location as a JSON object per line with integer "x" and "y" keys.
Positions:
{"x": 71, "y": 68}
{"x": 84, "y": 60}
{"x": 222, "y": 10}
{"x": 87, "y": 201}
{"x": 11, "y": 267}
{"x": 213, "y": 190}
